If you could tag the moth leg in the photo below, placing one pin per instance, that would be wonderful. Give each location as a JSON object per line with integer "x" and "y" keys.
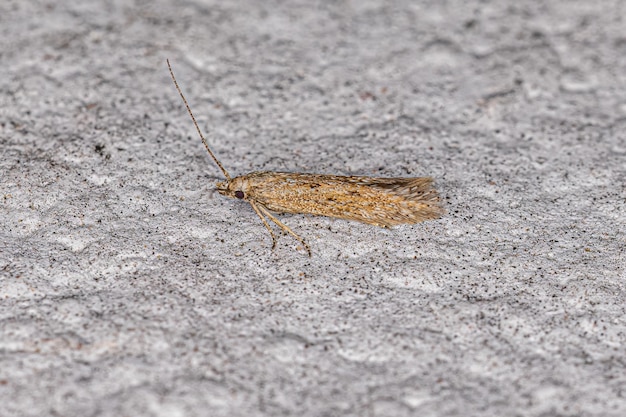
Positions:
{"x": 284, "y": 227}
{"x": 267, "y": 226}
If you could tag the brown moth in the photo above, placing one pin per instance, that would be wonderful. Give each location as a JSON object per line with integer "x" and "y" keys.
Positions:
{"x": 381, "y": 202}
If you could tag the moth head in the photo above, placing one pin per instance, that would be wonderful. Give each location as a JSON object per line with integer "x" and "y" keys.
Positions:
{"x": 235, "y": 188}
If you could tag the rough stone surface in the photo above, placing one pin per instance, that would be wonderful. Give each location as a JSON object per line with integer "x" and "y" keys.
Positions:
{"x": 129, "y": 288}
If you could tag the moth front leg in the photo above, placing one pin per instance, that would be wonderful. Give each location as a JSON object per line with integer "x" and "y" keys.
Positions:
{"x": 283, "y": 226}
{"x": 267, "y": 226}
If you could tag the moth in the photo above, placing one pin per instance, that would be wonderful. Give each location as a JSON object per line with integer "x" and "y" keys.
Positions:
{"x": 383, "y": 202}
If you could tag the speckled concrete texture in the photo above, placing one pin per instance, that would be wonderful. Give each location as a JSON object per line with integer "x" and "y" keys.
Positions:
{"x": 128, "y": 287}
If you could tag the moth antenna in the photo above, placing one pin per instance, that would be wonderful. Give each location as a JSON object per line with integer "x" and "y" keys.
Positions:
{"x": 206, "y": 145}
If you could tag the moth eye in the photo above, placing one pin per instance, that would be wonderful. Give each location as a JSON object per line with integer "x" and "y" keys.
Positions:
{"x": 239, "y": 194}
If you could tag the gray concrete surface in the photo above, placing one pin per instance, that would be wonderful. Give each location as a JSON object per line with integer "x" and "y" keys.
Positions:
{"x": 129, "y": 288}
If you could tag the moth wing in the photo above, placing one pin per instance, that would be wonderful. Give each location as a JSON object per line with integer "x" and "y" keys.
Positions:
{"x": 378, "y": 201}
